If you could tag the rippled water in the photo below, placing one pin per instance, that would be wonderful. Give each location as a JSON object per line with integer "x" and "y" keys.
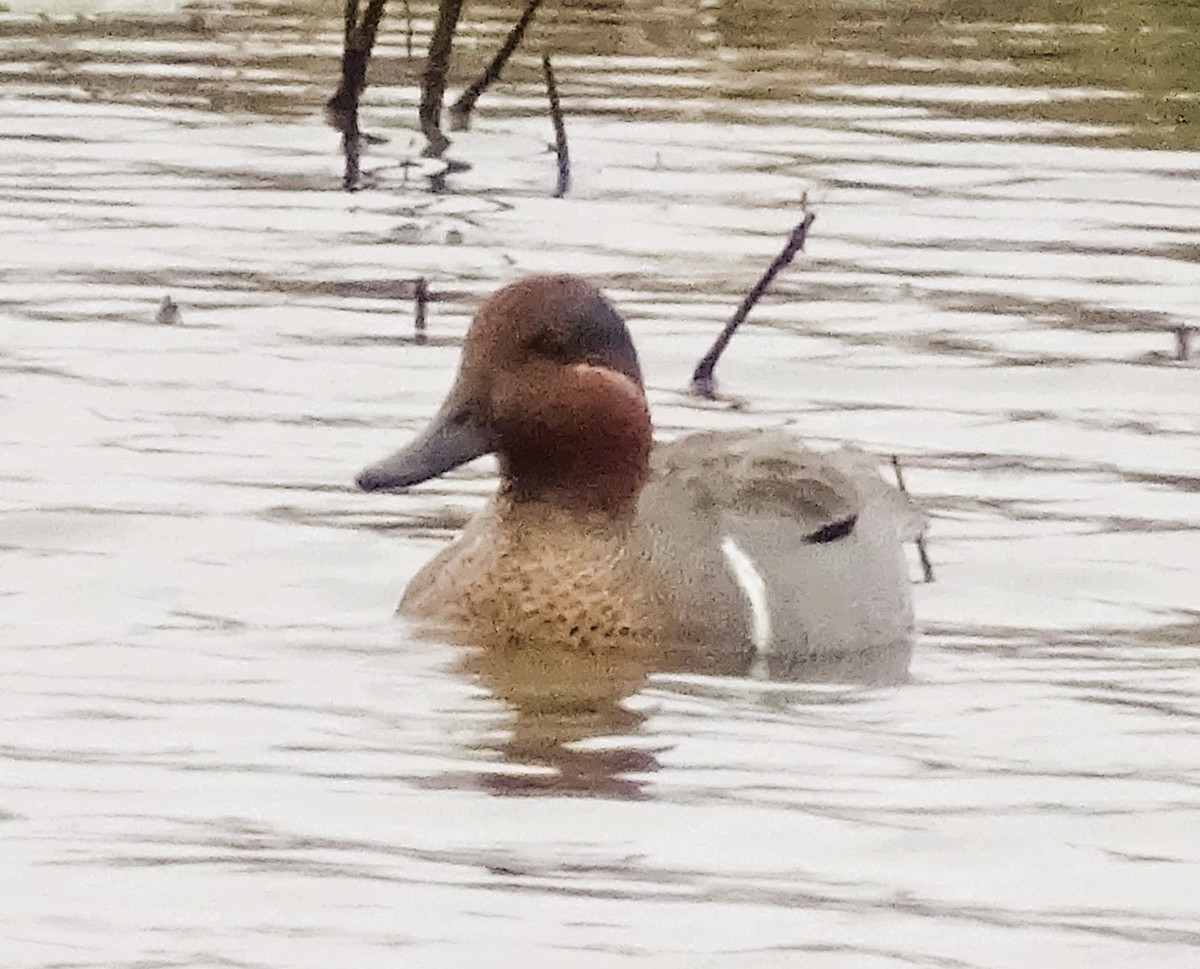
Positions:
{"x": 219, "y": 749}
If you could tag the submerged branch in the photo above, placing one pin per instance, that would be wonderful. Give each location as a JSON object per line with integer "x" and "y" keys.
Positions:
{"x": 460, "y": 111}
{"x": 342, "y": 109}
{"x": 703, "y": 384}
{"x": 1183, "y": 342}
{"x": 926, "y": 565}
{"x": 560, "y": 131}
{"x": 421, "y": 299}
{"x": 433, "y": 81}
{"x": 408, "y": 30}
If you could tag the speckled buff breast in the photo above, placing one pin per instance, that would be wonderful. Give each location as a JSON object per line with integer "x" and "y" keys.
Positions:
{"x": 535, "y": 576}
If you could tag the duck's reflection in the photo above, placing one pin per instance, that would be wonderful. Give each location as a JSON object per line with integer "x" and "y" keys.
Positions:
{"x": 564, "y": 701}
{"x": 570, "y": 718}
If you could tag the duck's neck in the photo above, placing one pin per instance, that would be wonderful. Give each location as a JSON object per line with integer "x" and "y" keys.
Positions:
{"x": 584, "y": 449}
{"x": 602, "y": 497}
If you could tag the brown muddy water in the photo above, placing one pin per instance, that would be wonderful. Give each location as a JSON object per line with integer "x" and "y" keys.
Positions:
{"x": 218, "y": 747}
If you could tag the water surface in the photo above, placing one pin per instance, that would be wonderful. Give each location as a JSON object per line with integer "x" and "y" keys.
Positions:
{"x": 219, "y": 749}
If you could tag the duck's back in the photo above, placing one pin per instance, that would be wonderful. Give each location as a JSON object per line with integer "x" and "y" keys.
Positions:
{"x": 771, "y": 551}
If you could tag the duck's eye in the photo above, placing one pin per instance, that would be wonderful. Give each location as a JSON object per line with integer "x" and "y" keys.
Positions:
{"x": 547, "y": 343}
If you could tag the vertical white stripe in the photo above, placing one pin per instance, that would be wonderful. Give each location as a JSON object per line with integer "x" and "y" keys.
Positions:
{"x": 751, "y": 582}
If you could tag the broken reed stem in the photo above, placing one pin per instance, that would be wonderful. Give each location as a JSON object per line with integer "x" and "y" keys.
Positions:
{"x": 460, "y": 111}
{"x": 1183, "y": 342}
{"x": 408, "y": 30}
{"x": 926, "y": 565}
{"x": 560, "y": 131}
{"x": 702, "y": 378}
{"x": 421, "y": 298}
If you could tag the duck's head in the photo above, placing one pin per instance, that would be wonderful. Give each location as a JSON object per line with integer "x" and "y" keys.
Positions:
{"x": 549, "y": 381}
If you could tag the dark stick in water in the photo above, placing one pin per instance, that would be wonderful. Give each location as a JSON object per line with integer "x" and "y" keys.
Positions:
{"x": 421, "y": 297}
{"x": 342, "y": 109}
{"x": 1183, "y": 342}
{"x": 560, "y": 131}
{"x": 433, "y": 81}
{"x": 460, "y": 111}
{"x": 703, "y": 384}
{"x": 408, "y": 30}
{"x": 926, "y": 565}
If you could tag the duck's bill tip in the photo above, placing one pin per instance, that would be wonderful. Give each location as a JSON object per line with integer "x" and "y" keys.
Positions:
{"x": 443, "y": 447}
{"x": 402, "y": 470}
{"x": 371, "y": 479}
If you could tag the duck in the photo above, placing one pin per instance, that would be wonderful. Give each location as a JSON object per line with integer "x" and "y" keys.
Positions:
{"x": 744, "y": 551}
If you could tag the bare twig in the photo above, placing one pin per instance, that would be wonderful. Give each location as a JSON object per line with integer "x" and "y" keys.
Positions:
{"x": 421, "y": 298}
{"x": 433, "y": 82}
{"x": 460, "y": 111}
{"x": 926, "y": 565}
{"x": 560, "y": 131}
{"x": 703, "y": 384}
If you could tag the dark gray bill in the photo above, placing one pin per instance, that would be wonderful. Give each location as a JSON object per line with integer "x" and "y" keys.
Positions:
{"x": 447, "y": 442}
